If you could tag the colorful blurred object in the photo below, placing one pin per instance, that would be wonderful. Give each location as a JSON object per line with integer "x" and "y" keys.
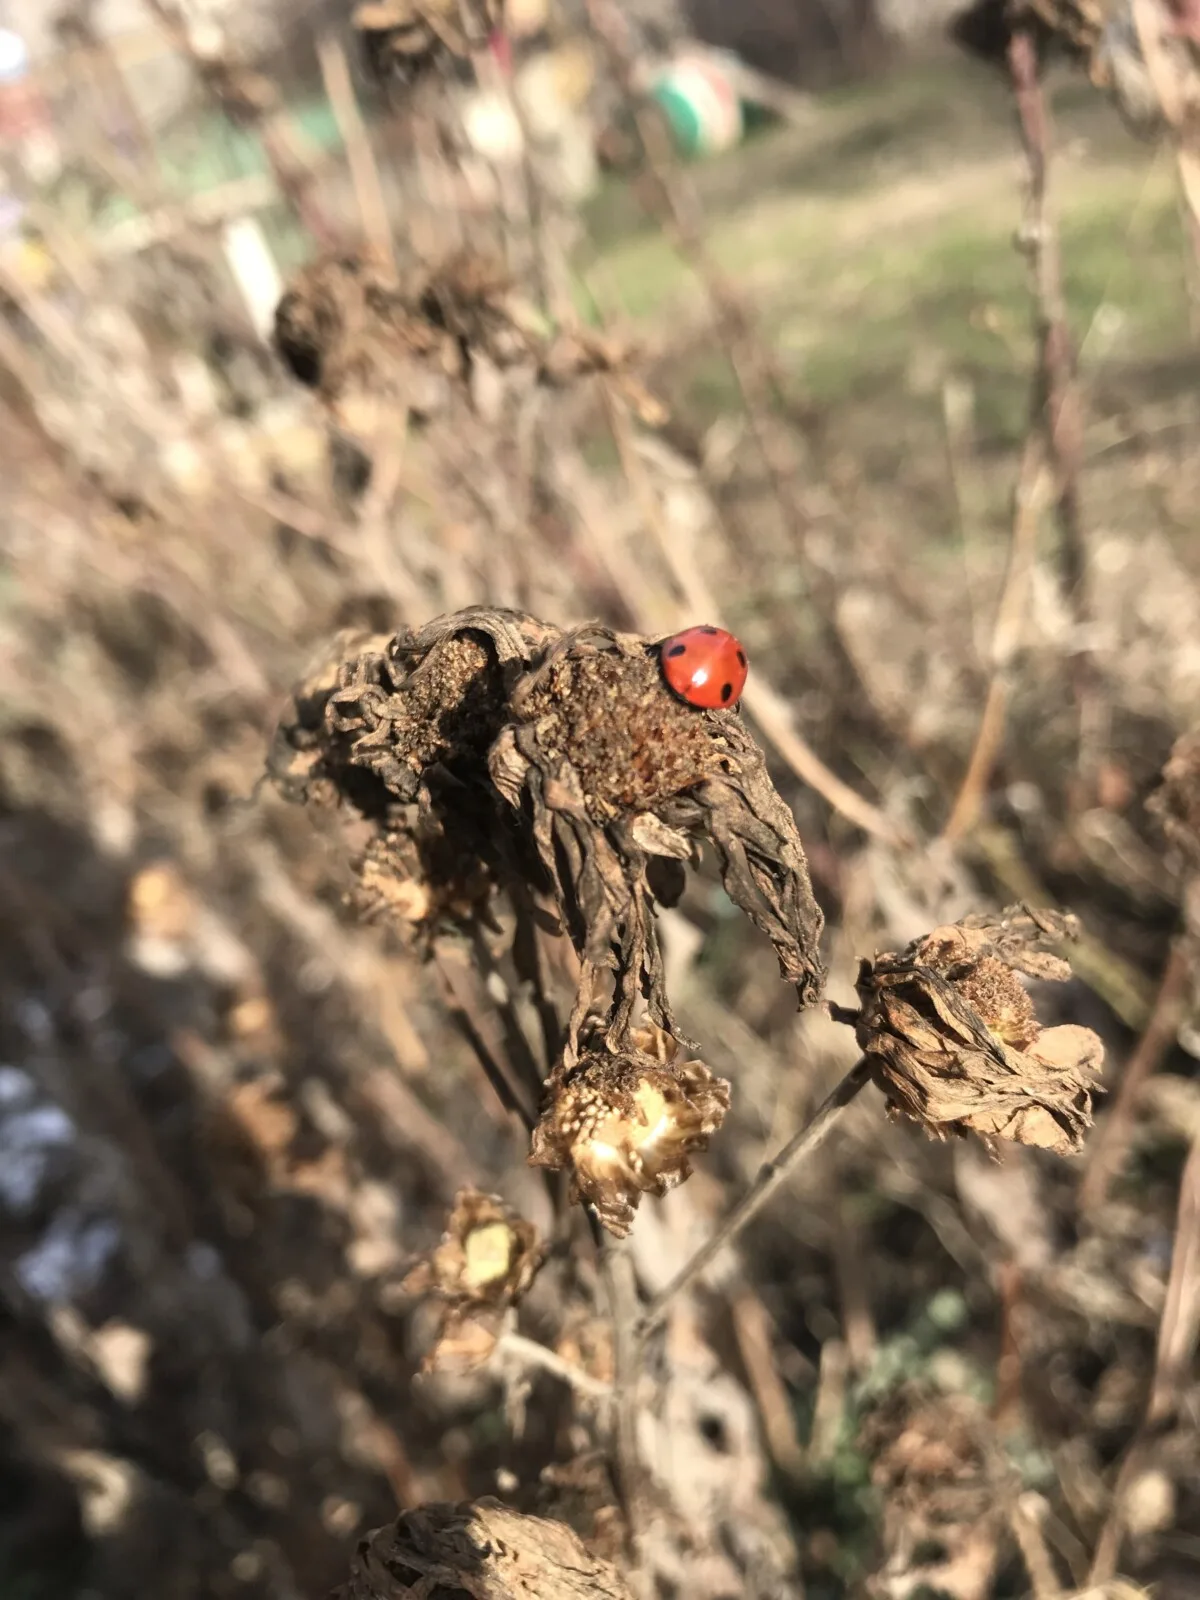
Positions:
{"x": 703, "y": 108}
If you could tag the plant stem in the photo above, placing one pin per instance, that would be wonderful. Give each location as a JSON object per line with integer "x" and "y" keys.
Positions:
{"x": 771, "y": 1177}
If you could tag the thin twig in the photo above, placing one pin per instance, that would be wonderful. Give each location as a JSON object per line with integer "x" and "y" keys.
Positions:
{"x": 771, "y": 1178}
{"x": 364, "y": 174}
{"x": 533, "y": 1354}
{"x": 1032, "y": 487}
{"x": 1109, "y": 1147}
{"x": 1056, "y": 398}
{"x": 620, "y": 1286}
{"x": 1177, "y": 1339}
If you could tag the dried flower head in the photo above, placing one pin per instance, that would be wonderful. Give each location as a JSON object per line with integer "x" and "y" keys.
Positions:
{"x": 397, "y": 731}
{"x": 942, "y": 1515}
{"x": 623, "y": 779}
{"x": 1176, "y": 802}
{"x": 954, "y": 1042}
{"x": 484, "y": 1264}
{"x": 478, "y": 1551}
{"x": 625, "y": 1124}
{"x": 404, "y": 39}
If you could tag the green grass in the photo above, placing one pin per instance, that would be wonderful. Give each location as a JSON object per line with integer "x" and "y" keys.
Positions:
{"x": 890, "y": 235}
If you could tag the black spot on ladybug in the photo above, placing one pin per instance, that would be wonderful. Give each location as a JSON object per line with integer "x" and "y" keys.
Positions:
{"x": 708, "y": 630}
{"x": 741, "y": 658}
{"x": 677, "y": 650}
{"x": 726, "y": 691}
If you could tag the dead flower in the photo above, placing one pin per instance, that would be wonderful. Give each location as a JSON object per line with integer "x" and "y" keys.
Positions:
{"x": 348, "y": 328}
{"x": 484, "y": 1264}
{"x": 1176, "y": 802}
{"x": 489, "y": 754}
{"x": 929, "y": 1462}
{"x": 623, "y": 781}
{"x": 954, "y": 1042}
{"x": 625, "y": 1124}
{"x": 404, "y": 39}
{"x": 478, "y": 1551}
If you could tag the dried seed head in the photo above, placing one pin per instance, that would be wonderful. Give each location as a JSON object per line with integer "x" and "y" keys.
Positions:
{"x": 1176, "y": 802}
{"x": 398, "y": 733}
{"x": 625, "y": 1125}
{"x": 955, "y": 1043}
{"x": 618, "y": 773}
{"x": 478, "y": 1551}
{"x": 488, "y": 1255}
{"x": 485, "y": 1263}
{"x": 605, "y": 714}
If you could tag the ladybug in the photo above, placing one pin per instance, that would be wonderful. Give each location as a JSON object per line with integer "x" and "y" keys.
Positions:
{"x": 704, "y": 666}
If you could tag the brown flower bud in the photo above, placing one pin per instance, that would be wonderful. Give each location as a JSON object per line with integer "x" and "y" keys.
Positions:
{"x": 954, "y": 1042}
{"x": 479, "y": 1551}
{"x": 484, "y": 1264}
{"x": 625, "y": 1124}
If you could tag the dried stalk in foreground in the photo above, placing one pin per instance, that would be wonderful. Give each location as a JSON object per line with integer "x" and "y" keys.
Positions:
{"x": 478, "y": 1551}
{"x": 952, "y": 1038}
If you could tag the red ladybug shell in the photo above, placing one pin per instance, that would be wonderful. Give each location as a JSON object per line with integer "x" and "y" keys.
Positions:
{"x": 705, "y": 666}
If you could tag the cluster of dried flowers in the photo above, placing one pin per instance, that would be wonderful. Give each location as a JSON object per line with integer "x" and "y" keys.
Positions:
{"x": 491, "y": 766}
{"x": 493, "y": 769}
{"x": 351, "y": 328}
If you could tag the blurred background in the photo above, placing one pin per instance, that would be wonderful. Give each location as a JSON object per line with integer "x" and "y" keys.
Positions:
{"x": 908, "y": 303}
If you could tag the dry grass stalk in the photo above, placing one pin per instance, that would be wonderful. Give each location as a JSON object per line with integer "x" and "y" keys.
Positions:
{"x": 1178, "y": 1336}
